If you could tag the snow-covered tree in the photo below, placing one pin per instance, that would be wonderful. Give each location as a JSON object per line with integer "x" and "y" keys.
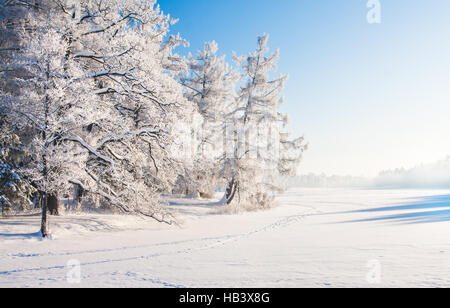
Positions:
{"x": 209, "y": 85}
{"x": 14, "y": 190}
{"x": 122, "y": 46}
{"x": 97, "y": 103}
{"x": 261, "y": 152}
{"x": 50, "y": 105}
{"x": 12, "y": 15}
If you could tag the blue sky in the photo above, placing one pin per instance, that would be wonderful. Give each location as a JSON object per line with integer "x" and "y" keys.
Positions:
{"x": 367, "y": 97}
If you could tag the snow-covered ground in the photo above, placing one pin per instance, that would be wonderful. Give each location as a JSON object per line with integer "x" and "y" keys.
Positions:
{"x": 313, "y": 238}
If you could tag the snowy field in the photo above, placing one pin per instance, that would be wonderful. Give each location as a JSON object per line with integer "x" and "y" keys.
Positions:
{"x": 313, "y": 238}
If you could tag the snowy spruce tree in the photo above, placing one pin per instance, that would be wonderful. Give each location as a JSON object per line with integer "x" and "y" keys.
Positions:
{"x": 260, "y": 152}
{"x": 209, "y": 85}
{"x": 14, "y": 190}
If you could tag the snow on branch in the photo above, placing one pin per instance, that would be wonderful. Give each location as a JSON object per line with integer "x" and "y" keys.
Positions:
{"x": 111, "y": 25}
{"x": 89, "y": 148}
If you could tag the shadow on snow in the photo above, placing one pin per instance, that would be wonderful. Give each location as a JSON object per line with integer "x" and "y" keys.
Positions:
{"x": 428, "y": 209}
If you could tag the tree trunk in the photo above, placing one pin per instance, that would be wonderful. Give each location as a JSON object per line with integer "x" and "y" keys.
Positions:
{"x": 231, "y": 191}
{"x": 78, "y": 196}
{"x": 37, "y": 199}
{"x": 44, "y": 194}
{"x": 44, "y": 226}
{"x": 53, "y": 204}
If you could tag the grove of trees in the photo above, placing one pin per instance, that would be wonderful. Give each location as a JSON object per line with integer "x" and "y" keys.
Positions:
{"x": 97, "y": 107}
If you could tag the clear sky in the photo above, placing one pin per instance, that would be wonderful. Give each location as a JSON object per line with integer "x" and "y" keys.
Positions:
{"x": 367, "y": 97}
